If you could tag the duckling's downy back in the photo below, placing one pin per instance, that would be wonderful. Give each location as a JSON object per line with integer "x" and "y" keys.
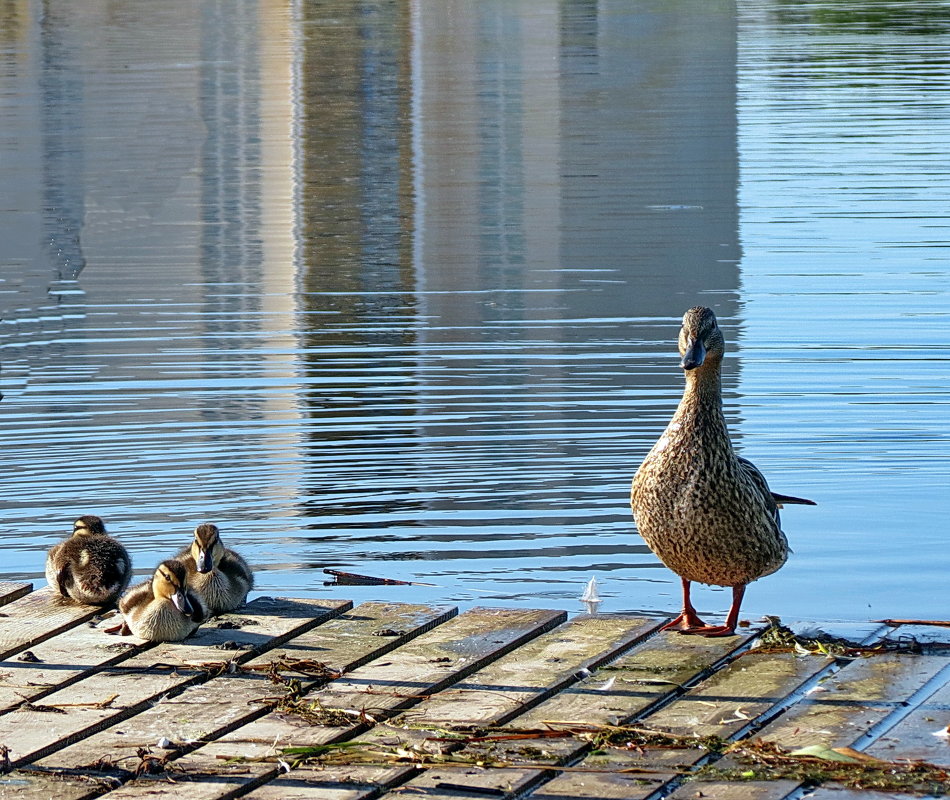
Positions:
{"x": 90, "y": 566}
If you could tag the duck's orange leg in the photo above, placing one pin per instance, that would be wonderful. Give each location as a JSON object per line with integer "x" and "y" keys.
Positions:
{"x": 688, "y": 621}
{"x": 732, "y": 618}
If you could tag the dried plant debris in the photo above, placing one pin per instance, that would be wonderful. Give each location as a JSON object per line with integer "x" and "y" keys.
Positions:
{"x": 756, "y": 760}
{"x": 817, "y": 765}
{"x": 26, "y": 705}
{"x": 315, "y": 713}
{"x": 301, "y": 666}
{"x": 151, "y": 764}
{"x": 778, "y": 638}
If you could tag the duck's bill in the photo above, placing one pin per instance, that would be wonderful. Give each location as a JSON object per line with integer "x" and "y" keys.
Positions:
{"x": 183, "y": 604}
{"x": 695, "y": 354}
{"x": 205, "y": 562}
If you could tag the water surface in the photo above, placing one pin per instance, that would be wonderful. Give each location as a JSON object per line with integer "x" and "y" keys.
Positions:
{"x": 394, "y": 288}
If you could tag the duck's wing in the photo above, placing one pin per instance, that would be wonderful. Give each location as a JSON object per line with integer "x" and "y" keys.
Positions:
{"x": 112, "y": 563}
{"x": 138, "y": 597}
{"x": 757, "y": 479}
{"x": 752, "y": 472}
{"x": 64, "y": 579}
{"x": 234, "y": 566}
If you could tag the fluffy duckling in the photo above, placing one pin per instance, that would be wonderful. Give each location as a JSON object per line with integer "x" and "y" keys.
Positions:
{"x": 706, "y": 512}
{"x": 219, "y": 576}
{"x": 163, "y": 609}
{"x": 90, "y": 566}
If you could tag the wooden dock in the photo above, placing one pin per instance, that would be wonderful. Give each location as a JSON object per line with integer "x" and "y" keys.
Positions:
{"x": 295, "y": 699}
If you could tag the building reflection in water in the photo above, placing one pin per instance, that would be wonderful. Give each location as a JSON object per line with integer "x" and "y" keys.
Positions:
{"x": 479, "y": 177}
{"x": 386, "y": 254}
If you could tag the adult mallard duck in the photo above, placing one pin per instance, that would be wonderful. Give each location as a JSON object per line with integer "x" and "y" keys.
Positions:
{"x": 90, "y": 566}
{"x": 163, "y": 608}
{"x": 216, "y": 573}
{"x": 707, "y": 513}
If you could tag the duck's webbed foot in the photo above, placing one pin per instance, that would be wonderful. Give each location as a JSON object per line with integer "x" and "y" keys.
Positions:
{"x": 686, "y": 622}
{"x": 122, "y": 629}
{"x": 732, "y": 619}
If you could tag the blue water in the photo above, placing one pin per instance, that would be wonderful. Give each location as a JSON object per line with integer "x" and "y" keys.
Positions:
{"x": 395, "y": 290}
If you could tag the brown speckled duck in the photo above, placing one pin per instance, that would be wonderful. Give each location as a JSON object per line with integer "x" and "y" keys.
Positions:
{"x": 219, "y": 576}
{"x": 707, "y": 513}
{"x": 90, "y": 566}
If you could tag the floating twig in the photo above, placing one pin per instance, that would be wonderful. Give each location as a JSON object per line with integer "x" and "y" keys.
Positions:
{"x": 341, "y": 578}
{"x": 942, "y": 623}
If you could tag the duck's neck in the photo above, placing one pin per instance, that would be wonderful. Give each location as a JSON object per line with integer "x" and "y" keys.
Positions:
{"x": 701, "y": 405}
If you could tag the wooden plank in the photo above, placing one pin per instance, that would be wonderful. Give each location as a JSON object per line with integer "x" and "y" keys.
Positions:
{"x": 846, "y": 706}
{"x": 384, "y": 686}
{"x": 36, "y": 617}
{"x": 508, "y": 687}
{"x": 121, "y": 691}
{"x": 733, "y": 790}
{"x": 60, "y": 661}
{"x": 721, "y": 706}
{"x": 341, "y": 783}
{"x": 203, "y": 713}
{"x": 648, "y": 674}
{"x": 934, "y": 636}
{"x": 492, "y": 696}
{"x": 853, "y": 700}
{"x": 22, "y": 785}
{"x": 923, "y": 735}
{"x": 838, "y": 793}
{"x": 13, "y": 590}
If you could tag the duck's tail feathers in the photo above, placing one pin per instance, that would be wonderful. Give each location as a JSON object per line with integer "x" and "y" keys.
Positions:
{"x": 781, "y": 499}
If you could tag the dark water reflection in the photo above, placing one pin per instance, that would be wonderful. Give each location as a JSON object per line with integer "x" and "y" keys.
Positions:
{"x": 392, "y": 287}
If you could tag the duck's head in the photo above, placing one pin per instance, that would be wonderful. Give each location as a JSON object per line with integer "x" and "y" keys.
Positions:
{"x": 170, "y": 582}
{"x": 700, "y": 339}
{"x": 88, "y": 525}
{"x": 207, "y": 549}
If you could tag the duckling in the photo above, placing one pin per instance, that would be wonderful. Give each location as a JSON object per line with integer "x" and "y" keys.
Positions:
{"x": 707, "y": 513}
{"x": 163, "y": 609}
{"x": 89, "y": 566}
{"x": 219, "y": 576}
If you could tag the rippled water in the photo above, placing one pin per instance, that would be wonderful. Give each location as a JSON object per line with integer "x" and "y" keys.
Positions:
{"x": 394, "y": 288}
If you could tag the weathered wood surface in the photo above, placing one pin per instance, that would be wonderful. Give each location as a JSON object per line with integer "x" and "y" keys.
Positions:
{"x": 55, "y": 663}
{"x": 36, "y": 617}
{"x": 923, "y": 735}
{"x": 13, "y": 590}
{"x": 417, "y": 701}
{"x": 721, "y": 706}
{"x": 121, "y": 691}
{"x": 204, "y": 712}
{"x": 498, "y": 693}
{"x": 655, "y": 671}
{"x": 370, "y": 693}
{"x": 845, "y": 705}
